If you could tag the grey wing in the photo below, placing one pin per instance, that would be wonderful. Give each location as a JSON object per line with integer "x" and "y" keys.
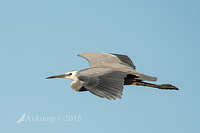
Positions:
{"x": 107, "y": 85}
{"x": 105, "y": 59}
{"x": 116, "y": 62}
{"x": 125, "y": 59}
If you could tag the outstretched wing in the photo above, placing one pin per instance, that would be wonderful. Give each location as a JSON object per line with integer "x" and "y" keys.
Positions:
{"x": 96, "y": 59}
{"x": 104, "y": 83}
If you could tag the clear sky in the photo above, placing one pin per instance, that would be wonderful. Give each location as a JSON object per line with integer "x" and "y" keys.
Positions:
{"x": 41, "y": 38}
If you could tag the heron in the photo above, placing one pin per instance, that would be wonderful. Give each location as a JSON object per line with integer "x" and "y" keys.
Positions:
{"x": 107, "y": 74}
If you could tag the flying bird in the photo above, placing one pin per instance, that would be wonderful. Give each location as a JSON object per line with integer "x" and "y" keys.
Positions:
{"x": 107, "y": 75}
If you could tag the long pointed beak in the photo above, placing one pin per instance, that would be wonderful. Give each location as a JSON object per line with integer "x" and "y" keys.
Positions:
{"x": 57, "y": 76}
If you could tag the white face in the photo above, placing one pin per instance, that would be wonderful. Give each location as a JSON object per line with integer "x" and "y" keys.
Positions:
{"x": 68, "y": 75}
{"x": 71, "y": 75}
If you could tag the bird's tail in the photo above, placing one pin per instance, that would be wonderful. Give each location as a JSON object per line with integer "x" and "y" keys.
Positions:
{"x": 163, "y": 86}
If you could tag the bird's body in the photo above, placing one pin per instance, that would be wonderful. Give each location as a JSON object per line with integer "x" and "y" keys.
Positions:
{"x": 107, "y": 75}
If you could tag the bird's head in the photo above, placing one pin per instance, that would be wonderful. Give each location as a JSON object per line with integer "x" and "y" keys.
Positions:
{"x": 69, "y": 75}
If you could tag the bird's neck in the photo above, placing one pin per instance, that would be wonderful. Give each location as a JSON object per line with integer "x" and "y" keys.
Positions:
{"x": 76, "y": 85}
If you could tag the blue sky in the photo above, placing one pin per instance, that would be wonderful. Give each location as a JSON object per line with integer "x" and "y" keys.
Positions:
{"x": 42, "y": 38}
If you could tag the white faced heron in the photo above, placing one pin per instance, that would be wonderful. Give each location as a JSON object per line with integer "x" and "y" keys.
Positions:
{"x": 107, "y": 74}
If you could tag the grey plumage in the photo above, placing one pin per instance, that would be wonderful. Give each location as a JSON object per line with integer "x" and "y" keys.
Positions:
{"x": 115, "y": 62}
{"x": 103, "y": 82}
{"x": 107, "y": 74}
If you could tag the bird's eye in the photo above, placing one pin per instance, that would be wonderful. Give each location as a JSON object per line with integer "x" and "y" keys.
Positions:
{"x": 70, "y": 74}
